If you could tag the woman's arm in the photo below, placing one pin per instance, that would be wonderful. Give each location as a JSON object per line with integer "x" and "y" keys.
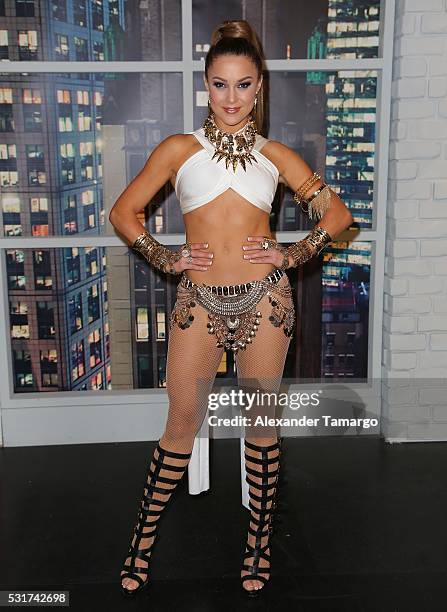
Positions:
{"x": 333, "y": 213}
{"x": 157, "y": 170}
{"x": 295, "y": 172}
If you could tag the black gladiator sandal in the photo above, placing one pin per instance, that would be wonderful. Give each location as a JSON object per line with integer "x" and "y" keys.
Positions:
{"x": 264, "y": 527}
{"x": 130, "y": 570}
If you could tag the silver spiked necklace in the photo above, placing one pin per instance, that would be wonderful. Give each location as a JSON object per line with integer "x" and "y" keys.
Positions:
{"x": 234, "y": 147}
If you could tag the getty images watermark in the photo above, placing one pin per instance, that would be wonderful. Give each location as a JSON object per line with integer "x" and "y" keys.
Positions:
{"x": 260, "y": 409}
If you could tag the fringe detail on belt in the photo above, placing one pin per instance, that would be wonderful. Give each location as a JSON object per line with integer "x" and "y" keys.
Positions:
{"x": 234, "y": 319}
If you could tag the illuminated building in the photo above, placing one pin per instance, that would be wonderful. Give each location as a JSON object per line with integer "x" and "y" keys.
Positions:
{"x": 52, "y": 184}
{"x": 352, "y": 32}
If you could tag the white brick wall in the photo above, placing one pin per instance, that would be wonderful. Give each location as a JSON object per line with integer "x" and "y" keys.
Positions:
{"x": 415, "y": 288}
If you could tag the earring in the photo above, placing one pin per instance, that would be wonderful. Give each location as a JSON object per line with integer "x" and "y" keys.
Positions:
{"x": 256, "y": 103}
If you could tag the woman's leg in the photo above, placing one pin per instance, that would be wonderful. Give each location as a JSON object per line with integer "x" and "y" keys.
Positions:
{"x": 192, "y": 363}
{"x": 260, "y": 368}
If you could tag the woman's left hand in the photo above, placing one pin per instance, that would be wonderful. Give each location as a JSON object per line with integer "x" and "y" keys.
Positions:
{"x": 256, "y": 254}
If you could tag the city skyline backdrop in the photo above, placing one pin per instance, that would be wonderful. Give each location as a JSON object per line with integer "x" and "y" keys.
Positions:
{"x": 96, "y": 318}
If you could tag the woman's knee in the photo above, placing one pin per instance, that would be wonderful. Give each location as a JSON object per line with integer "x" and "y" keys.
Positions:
{"x": 184, "y": 423}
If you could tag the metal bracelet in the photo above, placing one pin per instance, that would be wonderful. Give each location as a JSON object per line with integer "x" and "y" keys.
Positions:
{"x": 311, "y": 245}
{"x": 304, "y": 188}
{"x": 156, "y": 253}
{"x": 300, "y": 252}
{"x": 319, "y": 238}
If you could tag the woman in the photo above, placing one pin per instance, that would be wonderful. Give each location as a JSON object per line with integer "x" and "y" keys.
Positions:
{"x": 233, "y": 291}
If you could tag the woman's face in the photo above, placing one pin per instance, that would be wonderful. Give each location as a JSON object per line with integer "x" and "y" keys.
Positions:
{"x": 232, "y": 86}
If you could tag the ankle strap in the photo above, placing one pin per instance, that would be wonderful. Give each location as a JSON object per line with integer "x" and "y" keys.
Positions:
{"x": 259, "y": 449}
{"x": 171, "y": 454}
{"x": 167, "y": 466}
{"x": 264, "y": 474}
{"x": 259, "y": 486}
{"x": 155, "y": 477}
{"x": 261, "y": 460}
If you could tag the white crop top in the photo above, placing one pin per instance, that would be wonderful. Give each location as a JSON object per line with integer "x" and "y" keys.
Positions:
{"x": 200, "y": 179}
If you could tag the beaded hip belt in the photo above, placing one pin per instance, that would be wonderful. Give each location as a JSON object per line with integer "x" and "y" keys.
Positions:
{"x": 229, "y": 290}
{"x": 232, "y": 312}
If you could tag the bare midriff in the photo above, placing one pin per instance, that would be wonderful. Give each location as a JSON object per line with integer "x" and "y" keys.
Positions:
{"x": 225, "y": 223}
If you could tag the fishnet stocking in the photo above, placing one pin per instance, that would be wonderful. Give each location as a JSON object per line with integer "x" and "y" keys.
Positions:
{"x": 192, "y": 363}
{"x": 260, "y": 367}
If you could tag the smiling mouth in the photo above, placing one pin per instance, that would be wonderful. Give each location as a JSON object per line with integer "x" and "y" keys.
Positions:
{"x": 232, "y": 110}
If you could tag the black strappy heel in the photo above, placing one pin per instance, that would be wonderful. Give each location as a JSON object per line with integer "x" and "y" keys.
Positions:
{"x": 264, "y": 527}
{"x": 153, "y": 478}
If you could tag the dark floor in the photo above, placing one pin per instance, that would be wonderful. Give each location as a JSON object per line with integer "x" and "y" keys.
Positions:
{"x": 362, "y": 528}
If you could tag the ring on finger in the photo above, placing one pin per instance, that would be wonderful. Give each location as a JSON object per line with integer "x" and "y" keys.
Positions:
{"x": 186, "y": 250}
{"x": 267, "y": 243}
{"x": 189, "y": 259}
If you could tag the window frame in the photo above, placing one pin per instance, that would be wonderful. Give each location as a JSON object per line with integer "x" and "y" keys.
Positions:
{"x": 105, "y": 407}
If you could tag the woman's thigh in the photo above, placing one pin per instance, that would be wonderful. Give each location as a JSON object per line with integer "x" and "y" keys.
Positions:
{"x": 192, "y": 362}
{"x": 265, "y": 356}
{"x": 260, "y": 366}
{"x": 193, "y": 359}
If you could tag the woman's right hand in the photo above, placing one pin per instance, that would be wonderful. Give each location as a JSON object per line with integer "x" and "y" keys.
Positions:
{"x": 200, "y": 258}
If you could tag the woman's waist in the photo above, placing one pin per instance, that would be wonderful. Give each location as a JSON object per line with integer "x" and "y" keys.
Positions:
{"x": 224, "y": 241}
{"x": 229, "y": 266}
{"x": 220, "y": 287}
{"x": 225, "y": 233}
{"x": 228, "y": 272}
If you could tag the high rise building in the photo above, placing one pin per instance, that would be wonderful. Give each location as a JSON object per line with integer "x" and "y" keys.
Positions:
{"x": 69, "y": 145}
{"x": 51, "y": 181}
{"x": 67, "y": 150}
{"x": 352, "y": 32}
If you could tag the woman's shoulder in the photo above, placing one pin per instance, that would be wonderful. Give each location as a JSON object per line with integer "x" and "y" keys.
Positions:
{"x": 277, "y": 153}
{"x": 177, "y": 142}
{"x": 174, "y": 147}
{"x": 276, "y": 148}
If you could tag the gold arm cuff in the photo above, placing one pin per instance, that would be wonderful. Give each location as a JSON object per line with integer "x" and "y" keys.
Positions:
{"x": 319, "y": 238}
{"x": 311, "y": 245}
{"x": 300, "y": 252}
{"x": 156, "y": 253}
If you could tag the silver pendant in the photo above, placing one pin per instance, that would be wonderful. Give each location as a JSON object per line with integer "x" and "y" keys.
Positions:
{"x": 233, "y": 322}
